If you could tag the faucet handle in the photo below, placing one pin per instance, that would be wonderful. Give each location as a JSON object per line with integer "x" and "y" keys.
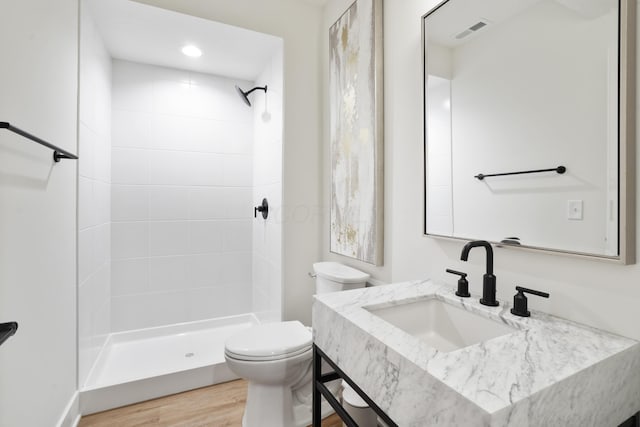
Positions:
{"x": 520, "y": 301}
{"x": 463, "y": 284}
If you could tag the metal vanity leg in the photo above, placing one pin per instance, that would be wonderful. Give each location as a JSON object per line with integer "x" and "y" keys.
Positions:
{"x": 317, "y": 399}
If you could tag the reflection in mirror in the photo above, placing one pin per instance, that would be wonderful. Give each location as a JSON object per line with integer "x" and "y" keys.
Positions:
{"x": 515, "y": 86}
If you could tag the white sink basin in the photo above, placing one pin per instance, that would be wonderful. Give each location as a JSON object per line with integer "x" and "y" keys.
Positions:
{"x": 441, "y": 325}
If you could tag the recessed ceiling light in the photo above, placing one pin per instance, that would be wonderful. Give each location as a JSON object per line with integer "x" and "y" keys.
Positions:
{"x": 192, "y": 51}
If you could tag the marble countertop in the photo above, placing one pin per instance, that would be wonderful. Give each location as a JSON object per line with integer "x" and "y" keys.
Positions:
{"x": 548, "y": 372}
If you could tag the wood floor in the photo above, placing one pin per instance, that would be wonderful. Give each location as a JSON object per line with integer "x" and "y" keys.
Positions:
{"x": 220, "y": 405}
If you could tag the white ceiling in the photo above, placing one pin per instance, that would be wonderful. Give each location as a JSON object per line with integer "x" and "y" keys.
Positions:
{"x": 456, "y": 16}
{"x": 147, "y": 34}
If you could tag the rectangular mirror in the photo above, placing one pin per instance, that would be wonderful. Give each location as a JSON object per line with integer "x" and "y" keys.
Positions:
{"x": 529, "y": 124}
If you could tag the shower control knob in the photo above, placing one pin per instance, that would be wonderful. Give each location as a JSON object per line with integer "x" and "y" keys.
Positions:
{"x": 264, "y": 208}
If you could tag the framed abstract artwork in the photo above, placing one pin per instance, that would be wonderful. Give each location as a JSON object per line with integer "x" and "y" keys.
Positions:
{"x": 356, "y": 132}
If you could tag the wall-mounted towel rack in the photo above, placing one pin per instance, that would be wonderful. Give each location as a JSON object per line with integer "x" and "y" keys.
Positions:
{"x": 58, "y": 153}
{"x": 7, "y": 330}
{"x": 559, "y": 169}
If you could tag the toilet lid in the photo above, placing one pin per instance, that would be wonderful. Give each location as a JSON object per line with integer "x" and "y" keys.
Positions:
{"x": 269, "y": 340}
{"x": 339, "y": 273}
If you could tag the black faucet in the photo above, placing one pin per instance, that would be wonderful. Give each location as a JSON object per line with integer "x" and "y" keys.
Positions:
{"x": 488, "y": 280}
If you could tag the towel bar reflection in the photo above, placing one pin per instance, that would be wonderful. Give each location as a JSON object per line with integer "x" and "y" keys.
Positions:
{"x": 58, "y": 153}
{"x": 559, "y": 169}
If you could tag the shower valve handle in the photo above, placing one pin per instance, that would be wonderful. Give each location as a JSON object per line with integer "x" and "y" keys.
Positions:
{"x": 264, "y": 208}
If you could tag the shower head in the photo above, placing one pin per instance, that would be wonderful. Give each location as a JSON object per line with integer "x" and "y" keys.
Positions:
{"x": 245, "y": 95}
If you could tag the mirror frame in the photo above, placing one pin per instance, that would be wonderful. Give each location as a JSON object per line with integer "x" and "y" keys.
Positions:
{"x": 626, "y": 143}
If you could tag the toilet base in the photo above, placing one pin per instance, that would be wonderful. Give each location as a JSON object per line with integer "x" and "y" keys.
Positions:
{"x": 276, "y": 406}
{"x": 268, "y": 406}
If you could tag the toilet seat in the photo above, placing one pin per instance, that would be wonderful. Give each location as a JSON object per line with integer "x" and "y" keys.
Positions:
{"x": 271, "y": 341}
{"x": 246, "y": 358}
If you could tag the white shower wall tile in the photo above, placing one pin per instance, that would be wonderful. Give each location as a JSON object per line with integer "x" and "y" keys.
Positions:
{"x": 129, "y": 166}
{"x": 132, "y": 87}
{"x": 206, "y": 169}
{"x": 102, "y": 245}
{"x": 235, "y": 138}
{"x": 168, "y": 167}
{"x": 86, "y": 151}
{"x": 236, "y": 268}
{"x": 174, "y": 97}
{"x": 85, "y": 207}
{"x": 102, "y": 283}
{"x": 238, "y": 171}
{"x": 239, "y": 203}
{"x": 217, "y": 203}
{"x": 102, "y": 158}
{"x": 205, "y": 270}
{"x": 129, "y": 240}
{"x": 85, "y": 253}
{"x": 260, "y": 268}
{"x": 102, "y": 200}
{"x": 129, "y": 203}
{"x": 225, "y": 300}
{"x": 267, "y": 182}
{"x": 208, "y": 203}
{"x": 168, "y": 238}
{"x": 147, "y": 310}
{"x": 129, "y": 276}
{"x": 206, "y": 236}
{"x": 237, "y": 236}
{"x": 185, "y": 133}
{"x": 171, "y": 75}
{"x": 167, "y": 273}
{"x": 168, "y": 203}
{"x": 182, "y": 169}
{"x": 131, "y": 129}
{"x": 94, "y": 200}
{"x": 102, "y": 325}
{"x": 259, "y": 238}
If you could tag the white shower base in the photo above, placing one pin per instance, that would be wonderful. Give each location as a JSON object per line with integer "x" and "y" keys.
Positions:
{"x": 144, "y": 364}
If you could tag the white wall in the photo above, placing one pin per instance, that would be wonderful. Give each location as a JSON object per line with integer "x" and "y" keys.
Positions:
{"x": 94, "y": 196}
{"x": 181, "y": 197}
{"x": 38, "y": 92}
{"x": 592, "y": 292}
{"x": 298, "y": 24}
{"x": 267, "y": 183}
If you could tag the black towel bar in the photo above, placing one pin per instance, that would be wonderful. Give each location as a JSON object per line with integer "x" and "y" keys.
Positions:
{"x": 58, "y": 153}
{"x": 559, "y": 169}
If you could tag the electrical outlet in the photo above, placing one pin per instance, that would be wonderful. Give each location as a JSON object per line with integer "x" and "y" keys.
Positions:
{"x": 574, "y": 209}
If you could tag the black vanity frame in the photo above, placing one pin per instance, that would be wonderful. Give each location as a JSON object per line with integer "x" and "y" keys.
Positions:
{"x": 319, "y": 390}
{"x": 634, "y": 421}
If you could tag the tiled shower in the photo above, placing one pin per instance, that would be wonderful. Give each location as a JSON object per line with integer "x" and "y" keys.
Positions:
{"x": 172, "y": 164}
{"x": 182, "y": 176}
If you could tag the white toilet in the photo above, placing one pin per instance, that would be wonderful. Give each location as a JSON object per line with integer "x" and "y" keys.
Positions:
{"x": 276, "y": 359}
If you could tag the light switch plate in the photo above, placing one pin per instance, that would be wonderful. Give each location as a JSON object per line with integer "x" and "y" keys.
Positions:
{"x": 574, "y": 209}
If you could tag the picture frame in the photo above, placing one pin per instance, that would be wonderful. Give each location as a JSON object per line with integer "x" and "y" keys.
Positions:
{"x": 356, "y": 133}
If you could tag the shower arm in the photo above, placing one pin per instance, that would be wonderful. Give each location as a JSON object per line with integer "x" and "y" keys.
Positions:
{"x": 256, "y": 88}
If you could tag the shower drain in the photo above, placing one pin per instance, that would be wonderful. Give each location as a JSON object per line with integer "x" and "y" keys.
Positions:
{"x": 189, "y": 355}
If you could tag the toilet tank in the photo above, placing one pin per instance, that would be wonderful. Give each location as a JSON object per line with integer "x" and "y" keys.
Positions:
{"x": 334, "y": 277}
